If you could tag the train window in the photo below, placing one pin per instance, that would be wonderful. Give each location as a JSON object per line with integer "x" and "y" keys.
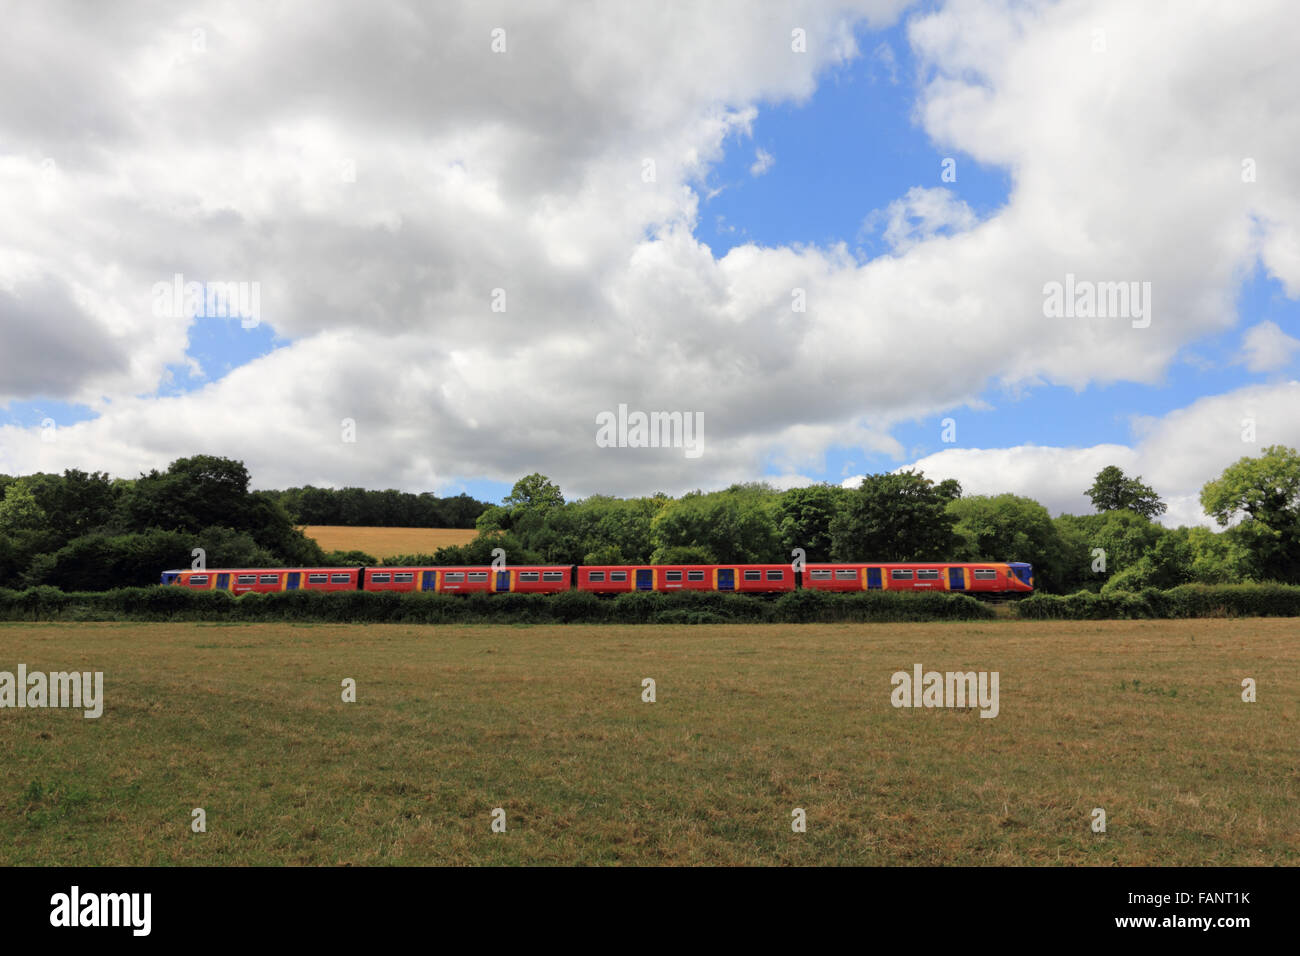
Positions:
{"x": 985, "y": 574}
{"x": 753, "y": 575}
{"x": 450, "y": 576}
{"x": 406, "y": 577}
{"x": 900, "y": 575}
{"x": 820, "y": 575}
{"x": 596, "y": 576}
{"x": 927, "y": 574}
{"x": 269, "y": 579}
{"x": 529, "y": 576}
{"x": 343, "y": 578}
{"x": 672, "y": 575}
{"x": 776, "y": 575}
{"x": 380, "y": 578}
{"x": 552, "y": 575}
{"x": 694, "y": 575}
{"x": 246, "y": 579}
{"x": 618, "y": 575}
{"x": 198, "y": 579}
{"x": 849, "y": 575}
{"x": 317, "y": 578}
{"x": 477, "y": 577}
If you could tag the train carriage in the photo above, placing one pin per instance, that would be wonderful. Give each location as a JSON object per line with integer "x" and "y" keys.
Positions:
{"x": 990, "y": 577}
{"x": 529, "y": 579}
{"x": 747, "y": 578}
{"x": 261, "y": 580}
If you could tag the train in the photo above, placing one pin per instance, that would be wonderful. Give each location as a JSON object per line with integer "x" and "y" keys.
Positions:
{"x": 994, "y": 579}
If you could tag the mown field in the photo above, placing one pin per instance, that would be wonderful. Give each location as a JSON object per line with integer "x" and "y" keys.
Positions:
{"x": 383, "y": 542}
{"x": 1142, "y": 718}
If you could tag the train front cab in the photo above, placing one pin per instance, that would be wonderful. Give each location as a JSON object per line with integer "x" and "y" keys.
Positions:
{"x": 1021, "y": 577}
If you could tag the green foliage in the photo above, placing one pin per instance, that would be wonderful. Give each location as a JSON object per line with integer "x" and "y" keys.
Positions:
{"x": 689, "y": 607}
{"x": 385, "y": 509}
{"x": 735, "y": 526}
{"x": 348, "y": 559}
{"x": 19, "y": 511}
{"x": 1112, "y": 491}
{"x": 1188, "y": 600}
{"x": 1265, "y": 493}
{"x": 534, "y": 492}
{"x": 804, "y": 518}
{"x": 896, "y": 517}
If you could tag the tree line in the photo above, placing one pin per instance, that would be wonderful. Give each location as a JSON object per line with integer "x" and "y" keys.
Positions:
{"x": 905, "y": 516}
{"x": 83, "y": 531}
{"x": 87, "y": 531}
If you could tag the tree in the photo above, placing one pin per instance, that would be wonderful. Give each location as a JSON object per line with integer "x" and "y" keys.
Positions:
{"x": 19, "y": 510}
{"x": 1265, "y": 493}
{"x": 1112, "y": 491}
{"x": 534, "y": 492}
{"x": 896, "y": 517}
{"x": 192, "y": 494}
{"x": 735, "y": 526}
{"x": 804, "y": 518}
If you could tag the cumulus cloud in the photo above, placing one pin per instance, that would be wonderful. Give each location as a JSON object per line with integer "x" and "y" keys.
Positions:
{"x": 923, "y": 214}
{"x": 1266, "y": 348}
{"x": 390, "y": 181}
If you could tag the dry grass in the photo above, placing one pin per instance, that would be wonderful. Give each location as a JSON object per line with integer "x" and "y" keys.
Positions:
{"x": 1142, "y": 718}
{"x": 383, "y": 542}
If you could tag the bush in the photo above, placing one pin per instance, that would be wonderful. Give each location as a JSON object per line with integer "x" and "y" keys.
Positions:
{"x": 1184, "y": 601}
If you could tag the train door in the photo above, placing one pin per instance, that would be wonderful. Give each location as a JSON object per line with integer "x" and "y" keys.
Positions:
{"x": 223, "y": 582}
{"x": 873, "y": 579}
{"x": 428, "y": 580}
{"x": 726, "y": 579}
{"x": 292, "y": 585}
{"x": 503, "y": 582}
{"x": 645, "y": 579}
{"x": 956, "y": 579}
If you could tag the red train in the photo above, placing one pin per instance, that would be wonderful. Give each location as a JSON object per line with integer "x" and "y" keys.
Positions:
{"x": 977, "y": 577}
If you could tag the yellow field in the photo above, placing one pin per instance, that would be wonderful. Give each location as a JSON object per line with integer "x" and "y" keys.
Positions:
{"x": 382, "y": 542}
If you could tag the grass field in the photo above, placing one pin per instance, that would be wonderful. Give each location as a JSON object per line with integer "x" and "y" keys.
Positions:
{"x": 383, "y": 542}
{"x": 1144, "y": 719}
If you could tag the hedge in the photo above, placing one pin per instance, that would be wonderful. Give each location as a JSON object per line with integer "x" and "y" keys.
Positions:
{"x": 1187, "y": 600}
{"x": 685, "y": 607}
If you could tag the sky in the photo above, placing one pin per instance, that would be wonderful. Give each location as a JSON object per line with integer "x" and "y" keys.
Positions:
{"x": 460, "y": 238}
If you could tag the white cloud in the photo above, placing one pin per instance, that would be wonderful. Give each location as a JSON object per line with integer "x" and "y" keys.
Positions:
{"x": 763, "y": 161}
{"x": 525, "y": 171}
{"x": 921, "y": 215}
{"x": 1176, "y": 455}
{"x": 1266, "y": 348}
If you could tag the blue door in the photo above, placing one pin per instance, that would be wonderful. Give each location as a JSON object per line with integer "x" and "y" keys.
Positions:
{"x": 873, "y": 579}
{"x": 223, "y": 582}
{"x": 645, "y": 579}
{"x": 726, "y": 579}
{"x": 293, "y": 581}
{"x": 429, "y": 581}
{"x": 503, "y": 582}
{"x": 956, "y": 579}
